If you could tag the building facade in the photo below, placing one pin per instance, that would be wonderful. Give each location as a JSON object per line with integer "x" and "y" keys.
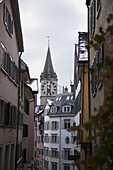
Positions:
{"x": 11, "y": 45}
{"x": 58, "y": 142}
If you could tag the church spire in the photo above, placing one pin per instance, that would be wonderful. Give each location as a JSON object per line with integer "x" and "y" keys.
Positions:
{"x": 48, "y": 71}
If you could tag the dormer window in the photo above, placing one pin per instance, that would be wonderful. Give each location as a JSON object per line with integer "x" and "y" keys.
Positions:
{"x": 66, "y": 109}
{"x": 53, "y": 109}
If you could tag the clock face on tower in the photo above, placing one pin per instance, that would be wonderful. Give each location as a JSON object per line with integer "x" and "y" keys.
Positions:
{"x": 49, "y": 88}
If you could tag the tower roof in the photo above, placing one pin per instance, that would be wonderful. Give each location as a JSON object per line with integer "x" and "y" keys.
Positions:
{"x": 48, "y": 71}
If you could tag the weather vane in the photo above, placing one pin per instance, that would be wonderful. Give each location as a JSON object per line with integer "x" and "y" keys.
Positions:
{"x": 48, "y": 37}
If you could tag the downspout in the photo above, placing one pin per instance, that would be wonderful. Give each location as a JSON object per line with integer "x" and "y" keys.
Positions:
{"x": 83, "y": 95}
{"x": 16, "y": 152}
{"x": 89, "y": 97}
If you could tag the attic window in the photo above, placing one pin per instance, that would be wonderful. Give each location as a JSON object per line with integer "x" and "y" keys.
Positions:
{"x": 7, "y": 20}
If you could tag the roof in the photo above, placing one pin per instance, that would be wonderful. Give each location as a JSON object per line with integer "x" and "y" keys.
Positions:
{"x": 62, "y": 100}
{"x": 48, "y": 68}
{"x": 17, "y": 23}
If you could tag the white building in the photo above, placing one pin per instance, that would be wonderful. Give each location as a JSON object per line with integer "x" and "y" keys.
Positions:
{"x": 58, "y": 142}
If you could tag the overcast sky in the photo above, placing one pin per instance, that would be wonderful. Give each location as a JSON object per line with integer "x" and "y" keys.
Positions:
{"x": 59, "y": 19}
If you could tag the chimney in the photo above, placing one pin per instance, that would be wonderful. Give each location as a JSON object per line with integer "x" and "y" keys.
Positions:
{"x": 72, "y": 86}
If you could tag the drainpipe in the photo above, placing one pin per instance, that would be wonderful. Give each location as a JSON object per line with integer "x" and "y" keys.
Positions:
{"x": 89, "y": 70}
{"x": 16, "y": 152}
{"x": 83, "y": 95}
{"x": 89, "y": 97}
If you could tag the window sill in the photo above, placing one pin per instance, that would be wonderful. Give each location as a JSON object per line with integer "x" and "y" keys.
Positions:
{"x": 7, "y": 74}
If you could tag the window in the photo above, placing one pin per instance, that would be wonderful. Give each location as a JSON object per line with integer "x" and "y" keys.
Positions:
{"x": 67, "y": 140}
{"x": 98, "y": 5}
{"x": 66, "y": 109}
{"x": 66, "y": 123}
{"x": 54, "y": 153}
{"x": 54, "y": 166}
{"x": 53, "y": 109}
{"x": 8, "y": 114}
{"x": 46, "y": 164}
{"x": 66, "y": 167}
{"x": 7, "y": 20}
{"x": 92, "y": 18}
{"x": 98, "y": 60}
{"x": 26, "y": 106}
{"x": 8, "y": 65}
{"x": 54, "y": 139}
{"x": 54, "y": 125}
{"x": 46, "y": 125}
{"x": 25, "y": 130}
{"x": 66, "y": 154}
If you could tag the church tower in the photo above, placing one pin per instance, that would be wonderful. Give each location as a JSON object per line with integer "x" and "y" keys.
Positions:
{"x": 48, "y": 79}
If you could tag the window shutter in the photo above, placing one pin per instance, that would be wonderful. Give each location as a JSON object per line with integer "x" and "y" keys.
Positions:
{"x": 57, "y": 125}
{"x": 93, "y": 5}
{"x": 90, "y": 21}
{"x": 94, "y": 75}
{"x": 92, "y": 80}
{"x": 4, "y": 14}
{"x": 98, "y": 4}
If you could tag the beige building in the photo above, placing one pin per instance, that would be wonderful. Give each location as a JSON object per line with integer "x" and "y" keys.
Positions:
{"x": 11, "y": 43}
{"x": 98, "y": 13}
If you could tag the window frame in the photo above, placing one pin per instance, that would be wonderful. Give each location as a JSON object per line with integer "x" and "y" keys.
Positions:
{"x": 67, "y": 123}
{"x": 66, "y": 109}
{"x": 7, "y": 19}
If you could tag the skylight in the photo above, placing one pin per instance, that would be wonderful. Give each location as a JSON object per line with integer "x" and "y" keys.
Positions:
{"x": 67, "y": 98}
